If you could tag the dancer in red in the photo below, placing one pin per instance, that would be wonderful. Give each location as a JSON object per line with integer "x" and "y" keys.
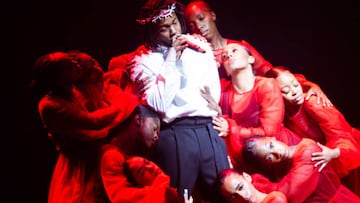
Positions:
{"x": 202, "y": 19}
{"x": 78, "y": 119}
{"x": 237, "y": 187}
{"x": 327, "y": 126}
{"x": 301, "y": 182}
{"x": 147, "y": 175}
{"x": 126, "y": 173}
{"x": 250, "y": 105}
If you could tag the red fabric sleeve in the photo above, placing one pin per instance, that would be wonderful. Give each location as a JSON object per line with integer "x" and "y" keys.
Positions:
{"x": 119, "y": 62}
{"x": 303, "y": 177}
{"x": 113, "y": 77}
{"x": 122, "y": 61}
{"x": 304, "y": 183}
{"x": 262, "y": 183}
{"x": 65, "y": 118}
{"x": 275, "y": 197}
{"x": 338, "y": 134}
{"x": 304, "y": 125}
{"x": 271, "y": 112}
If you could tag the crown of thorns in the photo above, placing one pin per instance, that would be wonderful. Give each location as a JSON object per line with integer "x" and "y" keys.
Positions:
{"x": 159, "y": 15}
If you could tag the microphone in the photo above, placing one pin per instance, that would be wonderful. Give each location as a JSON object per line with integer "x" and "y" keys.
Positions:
{"x": 194, "y": 47}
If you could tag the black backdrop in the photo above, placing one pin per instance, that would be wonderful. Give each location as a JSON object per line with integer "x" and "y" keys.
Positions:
{"x": 312, "y": 38}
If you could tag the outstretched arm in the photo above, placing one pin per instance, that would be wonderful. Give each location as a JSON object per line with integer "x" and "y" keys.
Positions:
{"x": 313, "y": 89}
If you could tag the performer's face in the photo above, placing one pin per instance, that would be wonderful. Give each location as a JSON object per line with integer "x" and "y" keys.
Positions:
{"x": 167, "y": 28}
{"x": 143, "y": 170}
{"x": 201, "y": 20}
{"x": 271, "y": 150}
{"x": 290, "y": 88}
{"x": 238, "y": 187}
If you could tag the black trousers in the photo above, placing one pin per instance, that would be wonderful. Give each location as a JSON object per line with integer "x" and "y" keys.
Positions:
{"x": 190, "y": 150}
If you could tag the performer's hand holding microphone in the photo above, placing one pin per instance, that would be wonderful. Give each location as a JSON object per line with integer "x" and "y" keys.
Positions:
{"x": 184, "y": 41}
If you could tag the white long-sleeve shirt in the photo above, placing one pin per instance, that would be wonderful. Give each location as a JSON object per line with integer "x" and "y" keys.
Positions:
{"x": 175, "y": 84}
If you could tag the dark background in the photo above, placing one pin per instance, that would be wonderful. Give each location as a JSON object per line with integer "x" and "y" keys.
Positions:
{"x": 312, "y": 38}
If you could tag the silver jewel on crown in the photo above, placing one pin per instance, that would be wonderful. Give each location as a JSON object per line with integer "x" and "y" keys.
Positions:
{"x": 164, "y": 13}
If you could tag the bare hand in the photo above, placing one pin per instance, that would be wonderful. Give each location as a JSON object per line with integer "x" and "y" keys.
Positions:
{"x": 187, "y": 198}
{"x": 221, "y": 125}
{"x": 141, "y": 85}
{"x": 212, "y": 104}
{"x": 179, "y": 44}
{"x": 324, "y": 157}
{"x": 315, "y": 90}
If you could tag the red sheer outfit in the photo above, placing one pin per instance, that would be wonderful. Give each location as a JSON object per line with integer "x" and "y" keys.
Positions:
{"x": 256, "y": 112}
{"x": 304, "y": 183}
{"x": 328, "y": 126}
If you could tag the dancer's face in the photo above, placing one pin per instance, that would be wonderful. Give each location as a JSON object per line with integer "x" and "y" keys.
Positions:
{"x": 200, "y": 20}
{"x": 291, "y": 89}
{"x": 271, "y": 150}
{"x": 238, "y": 187}
{"x": 143, "y": 170}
